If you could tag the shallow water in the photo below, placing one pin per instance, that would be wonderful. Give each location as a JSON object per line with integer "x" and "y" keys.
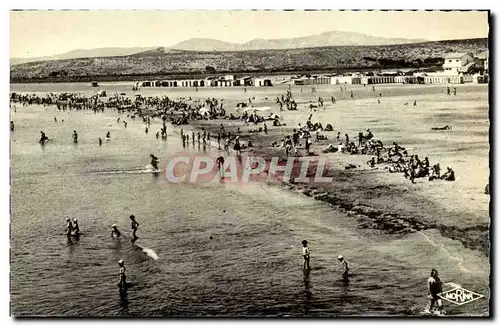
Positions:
{"x": 222, "y": 250}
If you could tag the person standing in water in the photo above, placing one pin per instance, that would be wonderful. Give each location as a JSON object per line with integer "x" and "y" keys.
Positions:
{"x": 108, "y": 135}
{"x": 76, "y": 228}
{"x": 114, "y": 231}
{"x": 75, "y": 137}
{"x": 154, "y": 162}
{"x": 122, "y": 283}
{"x": 434, "y": 287}
{"x": 237, "y": 146}
{"x": 220, "y": 162}
{"x": 306, "y": 255}
{"x": 69, "y": 227}
{"x": 100, "y": 141}
{"x": 43, "y": 138}
{"x": 134, "y": 226}
{"x": 345, "y": 267}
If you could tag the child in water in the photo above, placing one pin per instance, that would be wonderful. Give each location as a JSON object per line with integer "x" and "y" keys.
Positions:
{"x": 114, "y": 231}
{"x": 134, "y": 225}
{"x": 306, "y": 254}
{"x": 122, "y": 282}
{"x": 345, "y": 267}
{"x": 69, "y": 227}
{"x": 76, "y": 228}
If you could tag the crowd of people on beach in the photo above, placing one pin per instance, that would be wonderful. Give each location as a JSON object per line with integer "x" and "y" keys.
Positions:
{"x": 395, "y": 158}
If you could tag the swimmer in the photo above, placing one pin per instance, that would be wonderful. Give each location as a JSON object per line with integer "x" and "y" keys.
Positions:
{"x": 220, "y": 162}
{"x": 114, "y": 231}
{"x": 43, "y": 138}
{"x": 134, "y": 226}
{"x": 100, "y": 141}
{"x": 76, "y": 228}
{"x": 69, "y": 227}
{"x": 306, "y": 255}
{"x": 75, "y": 137}
{"x": 154, "y": 161}
{"x": 345, "y": 267}
{"x": 108, "y": 135}
{"x": 122, "y": 281}
{"x": 12, "y": 126}
{"x": 434, "y": 287}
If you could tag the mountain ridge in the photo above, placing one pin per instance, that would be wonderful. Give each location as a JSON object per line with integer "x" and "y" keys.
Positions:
{"x": 330, "y": 38}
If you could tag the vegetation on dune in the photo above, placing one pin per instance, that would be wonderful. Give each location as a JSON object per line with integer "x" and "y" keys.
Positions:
{"x": 162, "y": 62}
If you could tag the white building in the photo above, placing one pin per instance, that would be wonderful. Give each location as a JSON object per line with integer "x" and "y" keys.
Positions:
{"x": 483, "y": 59}
{"x": 455, "y": 63}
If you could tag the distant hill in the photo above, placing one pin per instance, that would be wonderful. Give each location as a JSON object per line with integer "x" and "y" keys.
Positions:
{"x": 168, "y": 62}
{"x": 333, "y": 38}
{"x": 82, "y": 53}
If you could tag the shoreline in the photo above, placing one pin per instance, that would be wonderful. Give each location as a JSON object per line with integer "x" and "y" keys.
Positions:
{"x": 358, "y": 195}
{"x": 380, "y": 201}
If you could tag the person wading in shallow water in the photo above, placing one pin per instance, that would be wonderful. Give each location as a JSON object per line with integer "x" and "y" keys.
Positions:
{"x": 434, "y": 287}
{"x": 345, "y": 267}
{"x": 220, "y": 162}
{"x": 122, "y": 283}
{"x": 114, "y": 231}
{"x": 69, "y": 227}
{"x": 134, "y": 226}
{"x": 76, "y": 228}
{"x": 306, "y": 254}
{"x": 154, "y": 161}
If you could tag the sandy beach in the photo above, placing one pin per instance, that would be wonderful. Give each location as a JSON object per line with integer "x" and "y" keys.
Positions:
{"x": 385, "y": 224}
{"x": 379, "y": 199}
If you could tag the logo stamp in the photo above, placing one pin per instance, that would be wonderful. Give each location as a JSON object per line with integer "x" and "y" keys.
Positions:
{"x": 460, "y": 296}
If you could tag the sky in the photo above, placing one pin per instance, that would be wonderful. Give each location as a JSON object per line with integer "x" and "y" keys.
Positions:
{"x": 43, "y": 33}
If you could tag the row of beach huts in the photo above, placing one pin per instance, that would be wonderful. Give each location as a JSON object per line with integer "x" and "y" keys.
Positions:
{"x": 223, "y": 81}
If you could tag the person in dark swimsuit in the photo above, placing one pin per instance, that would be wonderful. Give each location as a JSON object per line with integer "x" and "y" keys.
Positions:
{"x": 134, "y": 226}
{"x": 434, "y": 287}
{"x": 154, "y": 161}
{"x": 219, "y": 162}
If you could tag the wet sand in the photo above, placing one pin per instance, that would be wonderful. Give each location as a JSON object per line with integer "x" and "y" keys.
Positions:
{"x": 383, "y": 201}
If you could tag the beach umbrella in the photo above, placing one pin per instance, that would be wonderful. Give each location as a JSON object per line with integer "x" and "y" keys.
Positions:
{"x": 203, "y": 111}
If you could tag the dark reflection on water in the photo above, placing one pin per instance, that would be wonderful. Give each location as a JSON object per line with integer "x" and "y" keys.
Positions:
{"x": 307, "y": 290}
